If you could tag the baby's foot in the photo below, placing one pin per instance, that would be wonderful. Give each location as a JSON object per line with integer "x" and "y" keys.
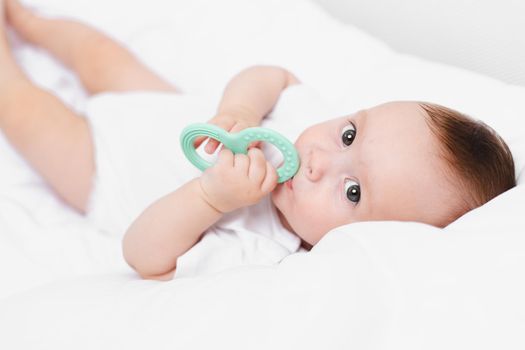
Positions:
{"x": 20, "y": 18}
{"x": 2, "y": 17}
{"x": 8, "y": 67}
{"x": 4, "y": 46}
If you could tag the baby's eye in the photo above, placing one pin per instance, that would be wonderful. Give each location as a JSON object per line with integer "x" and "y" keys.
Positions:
{"x": 349, "y": 133}
{"x": 352, "y": 191}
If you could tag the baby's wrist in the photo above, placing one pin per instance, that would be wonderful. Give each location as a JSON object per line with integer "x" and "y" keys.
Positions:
{"x": 241, "y": 113}
{"x": 223, "y": 200}
{"x": 206, "y": 197}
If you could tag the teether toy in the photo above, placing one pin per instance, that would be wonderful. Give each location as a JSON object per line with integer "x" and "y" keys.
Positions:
{"x": 238, "y": 143}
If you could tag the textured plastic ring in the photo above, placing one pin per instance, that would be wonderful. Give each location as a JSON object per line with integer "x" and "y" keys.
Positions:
{"x": 238, "y": 143}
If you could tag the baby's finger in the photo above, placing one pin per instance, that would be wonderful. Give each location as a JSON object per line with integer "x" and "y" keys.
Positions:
{"x": 225, "y": 158}
{"x": 197, "y": 142}
{"x": 242, "y": 163}
{"x": 255, "y": 144}
{"x": 223, "y": 123}
{"x": 212, "y": 146}
{"x": 270, "y": 181}
{"x": 257, "y": 169}
{"x": 228, "y": 125}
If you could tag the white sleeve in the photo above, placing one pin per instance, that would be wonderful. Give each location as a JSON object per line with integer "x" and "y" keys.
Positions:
{"x": 215, "y": 251}
{"x": 252, "y": 235}
{"x": 221, "y": 249}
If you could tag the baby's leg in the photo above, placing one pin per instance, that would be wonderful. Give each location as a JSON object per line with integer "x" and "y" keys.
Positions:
{"x": 54, "y": 140}
{"x": 101, "y": 63}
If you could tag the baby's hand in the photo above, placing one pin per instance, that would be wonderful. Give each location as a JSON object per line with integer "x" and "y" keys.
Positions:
{"x": 231, "y": 122}
{"x": 238, "y": 180}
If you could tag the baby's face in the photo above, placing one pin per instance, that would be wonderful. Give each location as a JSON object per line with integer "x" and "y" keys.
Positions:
{"x": 381, "y": 163}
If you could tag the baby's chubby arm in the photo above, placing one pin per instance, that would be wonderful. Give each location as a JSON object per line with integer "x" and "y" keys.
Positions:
{"x": 167, "y": 229}
{"x": 248, "y": 98}
{"x": 174, "y": 223}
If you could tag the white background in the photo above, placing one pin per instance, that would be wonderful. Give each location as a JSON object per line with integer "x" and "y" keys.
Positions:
{"x": 486, "y": 36}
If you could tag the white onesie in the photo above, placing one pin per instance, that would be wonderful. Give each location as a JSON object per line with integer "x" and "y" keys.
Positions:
{"x": 139, "y": 159}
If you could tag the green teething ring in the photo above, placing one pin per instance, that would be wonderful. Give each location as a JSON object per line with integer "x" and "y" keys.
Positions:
{"x": 238, "y": 143}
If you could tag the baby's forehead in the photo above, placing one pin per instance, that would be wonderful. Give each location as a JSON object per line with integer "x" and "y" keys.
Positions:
{"x": 398, "y": 125}
{"x": 398, "y": 152}
{"x": 398, "y": 149}
{"x": 398, "y": 110}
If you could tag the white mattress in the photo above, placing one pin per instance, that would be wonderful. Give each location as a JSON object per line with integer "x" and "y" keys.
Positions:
{"x": 381, "y": 285}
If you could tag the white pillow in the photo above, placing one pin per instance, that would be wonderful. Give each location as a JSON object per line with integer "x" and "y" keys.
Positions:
{"x": 382, "y": 285}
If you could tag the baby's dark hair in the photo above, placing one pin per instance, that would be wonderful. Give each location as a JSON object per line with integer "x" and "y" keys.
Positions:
{"x": 478, "y": 158}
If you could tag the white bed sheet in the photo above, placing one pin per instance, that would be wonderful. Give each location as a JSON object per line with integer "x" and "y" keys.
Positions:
{"x": 368, "y": 285}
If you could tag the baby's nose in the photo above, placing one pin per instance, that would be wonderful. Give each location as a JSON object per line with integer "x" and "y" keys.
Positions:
{"x": 318, "y": 162}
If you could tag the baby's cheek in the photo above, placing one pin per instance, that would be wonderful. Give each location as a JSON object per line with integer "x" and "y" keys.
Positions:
{"x": 314, "y": 227}
{"x": 328, "y": 221}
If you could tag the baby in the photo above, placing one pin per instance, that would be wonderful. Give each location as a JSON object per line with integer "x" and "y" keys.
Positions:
{"x": 408, "y": 161}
